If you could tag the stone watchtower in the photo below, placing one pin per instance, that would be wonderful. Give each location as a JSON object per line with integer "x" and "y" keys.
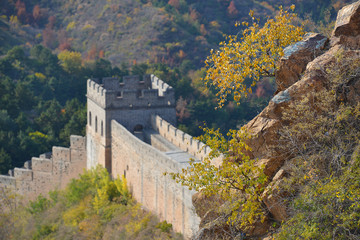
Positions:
{"x": 131, "y": 103}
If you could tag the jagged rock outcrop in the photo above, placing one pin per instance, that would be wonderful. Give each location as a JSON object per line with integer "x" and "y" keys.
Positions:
{"x": 296, "y": 57}
{"x": 346, "y": 38}
{"x": 302, "y": 70}
{"x": 347, "y": 27}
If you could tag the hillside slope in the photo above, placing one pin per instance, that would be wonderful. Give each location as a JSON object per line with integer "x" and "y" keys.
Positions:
{"x": 148, "y": 30}
{"x": 307, "y": 141}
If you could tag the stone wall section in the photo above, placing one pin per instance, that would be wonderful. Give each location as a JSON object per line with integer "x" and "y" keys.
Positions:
{"x": 180, "y": 139}
{"x": 48, "y": 171}
{"x": 98, "y": 135}
{"x": 144, "y": 167}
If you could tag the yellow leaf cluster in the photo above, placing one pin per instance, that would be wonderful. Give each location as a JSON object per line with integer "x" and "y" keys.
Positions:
{"x": 70, "y": 61}
{"x": 238, "y": 181}
{"x": 71, "y": 25}
{"x": 248, "y": 57}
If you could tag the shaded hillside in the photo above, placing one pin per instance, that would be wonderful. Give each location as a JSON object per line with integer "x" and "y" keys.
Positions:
{"x": 8, "y": 40}
{"x": 149, "y": 30}
{"x": 41, "y": 103}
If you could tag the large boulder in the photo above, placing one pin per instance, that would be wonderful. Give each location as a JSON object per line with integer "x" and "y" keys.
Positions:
{"x": 348, "y": 21}
{"x": 296, "y": 57}
{"x": 347, "y": 27}
{"x": 273, "y": 195}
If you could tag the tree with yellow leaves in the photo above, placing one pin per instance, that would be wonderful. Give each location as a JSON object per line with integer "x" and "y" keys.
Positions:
{"x": 239, "y": 181}
{"x": 70, "y": 61}
{"x": 251, "y": 55}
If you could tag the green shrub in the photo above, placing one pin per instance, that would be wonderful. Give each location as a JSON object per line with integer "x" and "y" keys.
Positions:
{"x": 44, "y": 230}
{"x": 39, "y": 205}
{"x": 164, "y": 226}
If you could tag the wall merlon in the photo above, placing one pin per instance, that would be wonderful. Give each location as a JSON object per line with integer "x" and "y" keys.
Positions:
{"x": 7, "y": 181}
{"x": 42, "y": 165}
{"x": 188, "y": 139}
{"x": 61, "y": 154}
{"x": 77, "y": 142}
{"x": 207, "y": 150}
{"x": 111, "y": 83}
{"x": 23, "y": 174}
{"x": 202, "y": 146}
{"x": 172, "y": 130}
{"x": 196, "y": 143}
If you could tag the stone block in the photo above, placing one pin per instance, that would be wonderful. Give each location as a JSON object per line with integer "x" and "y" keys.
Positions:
{"x": 41, "y": 165}
{"x": 23, "y": 174}
{"x": 77, "y": 142}
{"x": 61, "y": 154}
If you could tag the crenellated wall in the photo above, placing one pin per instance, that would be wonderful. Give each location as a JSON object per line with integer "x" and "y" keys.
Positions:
{"x": 132, "y": 93}
{"x": 116, "y": 111}
{"x": 144, "y": 168}
{"x": 180, "y": 139}
{"x": 48, "y": 171}
{"x": 131, "y": 103}
{"x": 157, "y": 83}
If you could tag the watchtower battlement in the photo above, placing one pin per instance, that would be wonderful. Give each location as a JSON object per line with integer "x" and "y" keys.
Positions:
{"x": 130, "y": 102}
{"x": 131, "y": 93}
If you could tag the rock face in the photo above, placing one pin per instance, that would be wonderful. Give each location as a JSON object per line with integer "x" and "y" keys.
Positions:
{"x": 348, "y": 21}
{"x": 347, "y": 27}
{"x": 296, "y": 57}
{"x": 308, "y": 58}
{"x": 302, "y": 70}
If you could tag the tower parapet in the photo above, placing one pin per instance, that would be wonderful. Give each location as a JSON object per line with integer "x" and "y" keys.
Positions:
{"x": 131, "y": 93}
{"x": 130, "y": 102}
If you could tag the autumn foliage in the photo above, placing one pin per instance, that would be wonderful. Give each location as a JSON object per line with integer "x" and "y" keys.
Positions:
{"x": 91, "y": 207}
{"x": 251, "y": 55}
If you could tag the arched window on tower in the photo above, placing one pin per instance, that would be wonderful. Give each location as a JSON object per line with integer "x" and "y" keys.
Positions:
{"x": 102, "y": 128}
{"x": 95, "y": 123}
{"x": 90, "y": 118}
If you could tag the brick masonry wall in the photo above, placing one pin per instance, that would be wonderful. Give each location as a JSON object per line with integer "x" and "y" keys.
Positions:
{"x": 143, "y": 167}
{"x": 42, "y": 174}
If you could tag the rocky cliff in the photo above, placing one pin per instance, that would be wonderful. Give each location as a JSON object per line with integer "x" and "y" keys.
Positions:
{"x": 304, "y": 70}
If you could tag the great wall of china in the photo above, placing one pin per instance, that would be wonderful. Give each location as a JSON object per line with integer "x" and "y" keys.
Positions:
{"x": 130, "y": 131}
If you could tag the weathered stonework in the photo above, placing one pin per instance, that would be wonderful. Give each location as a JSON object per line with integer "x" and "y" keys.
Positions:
{"x": 131, "y": 103}
{"x": 121, "y": 116}
{"x": 48, "y": 171}
{"x": 144, "y": 167}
